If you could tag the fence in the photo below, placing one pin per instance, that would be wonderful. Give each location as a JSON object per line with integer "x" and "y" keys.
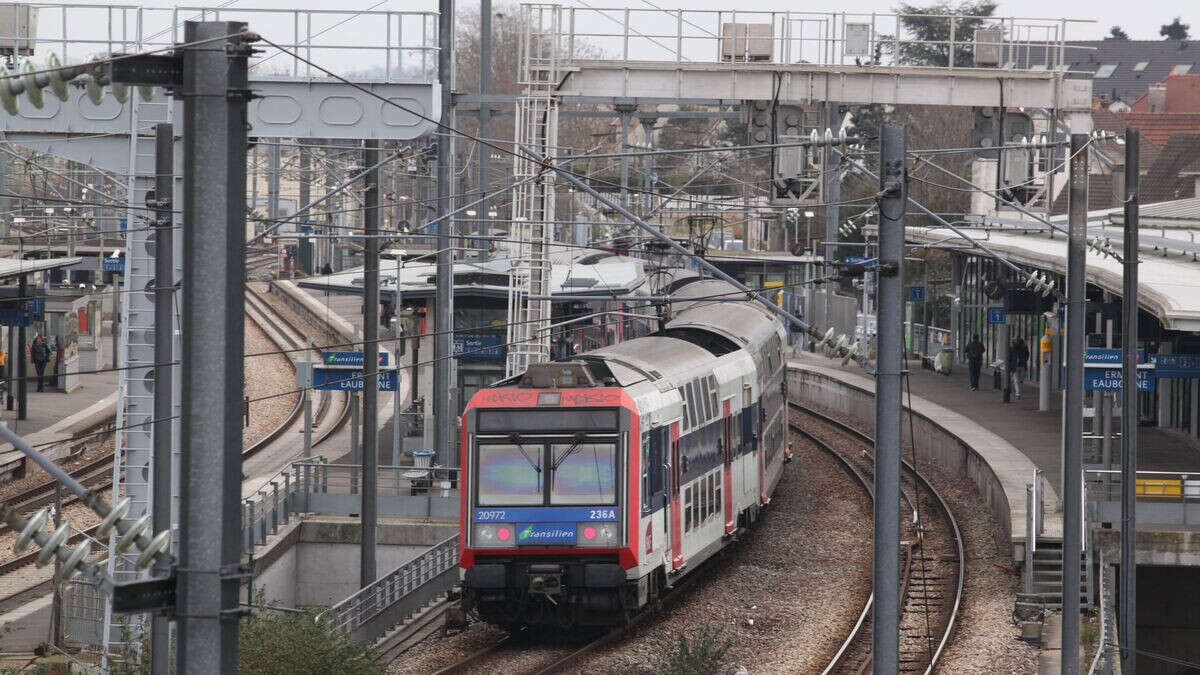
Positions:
{"x": 1103, "y": 660}
{"x": 319, "y": 487}
{"x": 811, "y": 38}
{"x": 1163, "y": 497}
{"x": 370, "y": 612}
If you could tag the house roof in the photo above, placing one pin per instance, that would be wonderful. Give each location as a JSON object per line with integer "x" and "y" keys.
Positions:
{"x": 1165, "y": 180}
{"x": 1100, "y": 195}
{"x": 1159, "y": 128}
{"x": 1123, "y": 81}
{"x": 1104, "y": 120}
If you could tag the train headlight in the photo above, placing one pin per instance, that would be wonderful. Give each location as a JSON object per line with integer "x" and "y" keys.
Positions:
{"x": 596, "y": 534}
{"x": 494, "y": 534}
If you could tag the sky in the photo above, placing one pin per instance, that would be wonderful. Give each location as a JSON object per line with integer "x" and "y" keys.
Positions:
{"x": 351, "y": 30}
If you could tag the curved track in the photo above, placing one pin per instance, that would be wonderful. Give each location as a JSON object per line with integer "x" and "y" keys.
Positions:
{"x": 933, "y": 565}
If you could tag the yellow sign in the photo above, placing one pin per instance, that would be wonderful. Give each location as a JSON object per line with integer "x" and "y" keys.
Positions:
{"x": 779, "y": 294}
{"x": 1046, "y": 344}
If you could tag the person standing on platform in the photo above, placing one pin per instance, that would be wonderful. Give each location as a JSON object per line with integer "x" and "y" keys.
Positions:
{"x": 1018, "y": 363}
{"x": 40, "y": 355}
{"x": 974, "y": 354}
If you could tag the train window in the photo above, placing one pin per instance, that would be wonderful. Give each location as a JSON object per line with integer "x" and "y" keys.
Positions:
{"x": 712, "y": 395}
{"x": 712, "y": 502}
{"x": 647, "y": 471}
{"x": 703, "y": 510}
{"x": 705, "y": 394}
{"x": 583, "y": 473}
{"x": 684, "y": 404}
{"x": 717, "y": 490}
{"x": 509, "y": 474}
{"x": 689, "y": 390}
{"x": 687, "y": 510}
{"x": 658, "y": 442}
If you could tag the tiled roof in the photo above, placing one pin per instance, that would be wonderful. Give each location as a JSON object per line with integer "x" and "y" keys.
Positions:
{"x": 1182, "y": 95}
{"x": 1104, "y": 120}
{"x": 1124, "y": 83}
{"x": 1100, "y": 195}
{"x": 1158, "y": 128}
{"x": 1164, "y": 182}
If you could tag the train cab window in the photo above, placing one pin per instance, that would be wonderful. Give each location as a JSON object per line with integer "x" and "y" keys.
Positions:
{"x": 510, "y": 474}
{"x": 583, "y": 473}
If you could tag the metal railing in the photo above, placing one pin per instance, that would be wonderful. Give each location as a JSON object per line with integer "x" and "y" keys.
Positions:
{"x": 1163, "y": 497}
{"x": 810, "y": 38}
{"x": 1103, "y": 660}
{"x": 371, "y": 44}
{"x": 316, "y": 486}
{"x": 372, "y": 611}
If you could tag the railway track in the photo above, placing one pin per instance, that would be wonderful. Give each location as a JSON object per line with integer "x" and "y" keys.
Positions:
{"x": 932, "y": 570}
{"x": 97, "y": 474}
{"x": 294, "y": 344}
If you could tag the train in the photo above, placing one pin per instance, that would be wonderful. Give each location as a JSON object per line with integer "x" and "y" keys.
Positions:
{"x": 592, "y": 485}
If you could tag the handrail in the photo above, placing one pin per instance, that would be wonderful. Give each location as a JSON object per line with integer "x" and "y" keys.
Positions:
{"x": 381, "y": 594}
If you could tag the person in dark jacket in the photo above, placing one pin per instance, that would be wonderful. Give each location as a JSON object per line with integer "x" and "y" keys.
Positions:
{"x": 974, "y": 354}
{"x": 39, "y": 353}
{"x": 1018, "y": 362}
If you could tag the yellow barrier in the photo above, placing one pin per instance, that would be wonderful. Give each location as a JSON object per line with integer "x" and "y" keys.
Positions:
{"x": 1159, "y": 487}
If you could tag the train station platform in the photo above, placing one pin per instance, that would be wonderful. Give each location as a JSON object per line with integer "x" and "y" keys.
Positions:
{"x": 55, "y": 416}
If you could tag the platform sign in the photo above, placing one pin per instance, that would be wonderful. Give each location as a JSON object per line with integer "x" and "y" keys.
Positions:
{"x": 478, "y": 346}
{"x": 916, "y": 294}
{"x": 1098, "y": 357}
{"x": 348, "y": 379}
{"x": 1178, "y": 366}
{"x": 36, "y": 308}
{"x": 997, "y": 315}
{"x": 1110, "y": 379}
{"x": 349, "y": 359}
{"x": 868, "y": 263}
{"x": 12, "y": 316}
{"x": 115, "y": 265}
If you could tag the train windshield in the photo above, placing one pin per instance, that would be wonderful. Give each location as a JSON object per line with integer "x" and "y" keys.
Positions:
{"x": 510, "y": 474}
{"x": 583, "y": 472}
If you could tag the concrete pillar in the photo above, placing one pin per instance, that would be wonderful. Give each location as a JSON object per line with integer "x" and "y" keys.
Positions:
{"x": 956, "y": 274}
{"x": 1195, "y": 405}
{"x": 1164, "y": 394}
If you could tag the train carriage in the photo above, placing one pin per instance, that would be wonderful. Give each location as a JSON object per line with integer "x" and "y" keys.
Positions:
{"x": 591, "y": 485}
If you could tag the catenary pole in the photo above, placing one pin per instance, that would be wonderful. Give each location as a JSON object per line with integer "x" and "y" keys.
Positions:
{"x": 370, "y": 416}
{"x": 444, "y": 413}
{"x": 832, "y": 195}
{"x": 485, "y": 113}
{"x": 164, "y": 287}
{"x": 215, "y": 95}
{"x": 1073, "y": 411}
{"x": 1127, "y": 621}
{"x": 885, "y": 641}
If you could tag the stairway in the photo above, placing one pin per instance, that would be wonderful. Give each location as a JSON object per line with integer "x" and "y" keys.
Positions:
{"x": 1048, "y": 576}
{"x": 416, "y": 627}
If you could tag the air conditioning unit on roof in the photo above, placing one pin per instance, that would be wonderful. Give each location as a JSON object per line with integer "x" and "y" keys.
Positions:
{"x": 747, "y": 41}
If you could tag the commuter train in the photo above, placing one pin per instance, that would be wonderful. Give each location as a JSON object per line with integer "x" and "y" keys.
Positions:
{"x": 592, "y": 485}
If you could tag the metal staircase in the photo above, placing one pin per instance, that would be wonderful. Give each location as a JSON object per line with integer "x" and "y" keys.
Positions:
{"x": 1048, "y": 575}
{"x": 533, "y": 201}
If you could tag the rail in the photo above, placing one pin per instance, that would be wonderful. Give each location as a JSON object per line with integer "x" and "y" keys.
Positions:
{"x": 374, "y": 609}
{"x": 1102, "y": 661}
{"x": 810, "y": 38}
{"x": 387, "y": 45}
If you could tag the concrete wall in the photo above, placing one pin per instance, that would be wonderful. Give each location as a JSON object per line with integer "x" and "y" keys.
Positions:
{"x": 1154, "y": 547}
{"x": 315, "y": 562}
{"x": 934, "y": 444}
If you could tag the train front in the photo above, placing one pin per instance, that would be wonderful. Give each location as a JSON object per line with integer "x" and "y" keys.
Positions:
{"x": 546, "y": 533}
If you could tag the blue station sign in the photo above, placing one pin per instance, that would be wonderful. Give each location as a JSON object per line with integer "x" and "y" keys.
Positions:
{"x": 916, "y": 294}
{"x": 1105, "y": 356}
{"x": 479, "y": 346}
{"x": 348, "y": 379}
{"x": 349, "y": 359}
{"x": 997, "y": 316}
{"x": 1179, "y": 366}
{"x": 1110, "y": 379}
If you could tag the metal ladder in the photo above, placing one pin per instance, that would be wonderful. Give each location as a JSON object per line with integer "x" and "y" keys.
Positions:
{"x": 533, "y": 201}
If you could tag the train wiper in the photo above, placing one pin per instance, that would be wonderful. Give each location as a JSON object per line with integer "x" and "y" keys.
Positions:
{"x": 516, "y": 440}
{"x": 579, "y": 439}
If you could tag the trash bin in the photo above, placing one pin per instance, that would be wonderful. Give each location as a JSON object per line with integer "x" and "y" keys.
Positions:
{"x": 998, "y": 372}
{"x": 944, "y": 360}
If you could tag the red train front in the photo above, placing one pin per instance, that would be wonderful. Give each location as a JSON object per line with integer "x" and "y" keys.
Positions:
{"x": 548, "y": 475}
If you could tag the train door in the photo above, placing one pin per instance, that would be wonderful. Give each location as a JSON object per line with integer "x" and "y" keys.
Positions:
{"x": 727, "y": 461}
{"x": 676, "y": 508}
